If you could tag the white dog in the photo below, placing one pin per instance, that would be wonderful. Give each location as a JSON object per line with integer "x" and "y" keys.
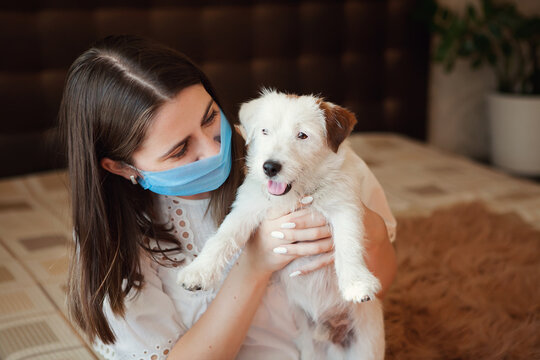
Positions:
{"x": 297, "y": 148}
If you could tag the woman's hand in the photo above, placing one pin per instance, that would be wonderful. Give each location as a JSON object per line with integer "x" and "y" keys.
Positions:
{"x": 311, "y": 236}
{"x": 280, "y": 240}
{"x": 380, "y": 255}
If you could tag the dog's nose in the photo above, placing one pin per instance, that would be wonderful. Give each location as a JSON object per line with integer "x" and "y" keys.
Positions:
{"x": 271, "y": 168}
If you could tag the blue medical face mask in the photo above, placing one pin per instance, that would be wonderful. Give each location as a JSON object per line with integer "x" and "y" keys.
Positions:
{"x": 198, "y": 177}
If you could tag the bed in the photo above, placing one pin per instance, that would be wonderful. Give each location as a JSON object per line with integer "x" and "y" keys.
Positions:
{"x": 490, "y": 285}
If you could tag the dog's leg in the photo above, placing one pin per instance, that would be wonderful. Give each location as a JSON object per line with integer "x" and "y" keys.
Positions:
{"x": 304, "y": 341}
{"x": 207, "y": 270}
{"x": 355, "y": 281}
{"x": 369, "y": 343}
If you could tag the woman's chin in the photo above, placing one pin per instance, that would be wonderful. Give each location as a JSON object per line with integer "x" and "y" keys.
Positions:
{"x": 200, "y": 196}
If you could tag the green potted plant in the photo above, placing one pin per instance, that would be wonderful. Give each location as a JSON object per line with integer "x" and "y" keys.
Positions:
{"x": 496, "y": 34}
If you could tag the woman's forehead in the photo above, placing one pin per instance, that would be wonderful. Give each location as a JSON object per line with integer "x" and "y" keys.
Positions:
{"x": 175, "y": 120}
{"x": 189, "y": 102}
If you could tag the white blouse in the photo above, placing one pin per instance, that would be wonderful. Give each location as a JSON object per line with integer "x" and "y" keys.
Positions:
{"x": 159, "y": 314}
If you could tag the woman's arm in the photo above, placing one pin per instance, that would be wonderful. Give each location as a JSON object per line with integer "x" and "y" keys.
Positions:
{"x": 221, "y": 330}
{"x": 380, "y": 255}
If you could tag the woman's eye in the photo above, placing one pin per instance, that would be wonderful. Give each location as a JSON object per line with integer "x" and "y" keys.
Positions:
{"x": 302, "y": 136}
{"x": 210, "y": 120}
{"x": 181, "y": 152}
{"x": 265, "y": 131}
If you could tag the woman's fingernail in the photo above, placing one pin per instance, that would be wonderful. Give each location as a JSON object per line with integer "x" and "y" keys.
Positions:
{"x": 296, "y": 273}
{"x": 306, "y": 200}
{"x": 288, "y": 225}
{"x": 280, "y": 250}
{"x": 277, "y": 235}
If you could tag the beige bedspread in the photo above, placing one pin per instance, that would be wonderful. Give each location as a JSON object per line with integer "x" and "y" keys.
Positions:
{"x": 35, "y": 230}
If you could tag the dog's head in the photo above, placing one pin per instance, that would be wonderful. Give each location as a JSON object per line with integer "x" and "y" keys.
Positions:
{"x": 290, "y": 137}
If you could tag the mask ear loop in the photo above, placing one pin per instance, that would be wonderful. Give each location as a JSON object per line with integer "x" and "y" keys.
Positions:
{"x": 133, "y": 180}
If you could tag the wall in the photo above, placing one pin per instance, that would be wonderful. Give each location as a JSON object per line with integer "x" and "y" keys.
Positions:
{"x": 457, "y": 116}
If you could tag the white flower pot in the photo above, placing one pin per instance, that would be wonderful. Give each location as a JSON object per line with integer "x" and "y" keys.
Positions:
{"x": 515, "y": 133}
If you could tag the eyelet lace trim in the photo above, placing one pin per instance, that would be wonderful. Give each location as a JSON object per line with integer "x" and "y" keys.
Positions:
{"x": 158, "y": 353}
{"x": 105, "y": 350}
{"x": 182, "y": 229}
{"x": 182, "y": 226}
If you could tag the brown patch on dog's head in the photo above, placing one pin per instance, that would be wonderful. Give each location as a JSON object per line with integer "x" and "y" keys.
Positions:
{"x": 292, "y": 96}
{"x": 339, "y": 123}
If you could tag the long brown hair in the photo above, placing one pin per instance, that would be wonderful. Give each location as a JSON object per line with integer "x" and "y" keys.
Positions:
{"x": 111, "y": 94}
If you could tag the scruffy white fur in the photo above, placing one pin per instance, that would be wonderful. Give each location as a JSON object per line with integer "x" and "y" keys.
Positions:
{"x": 330, "y": 297}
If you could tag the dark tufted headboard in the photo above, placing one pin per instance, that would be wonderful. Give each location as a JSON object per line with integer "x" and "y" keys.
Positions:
{"x": 367, "y": 55}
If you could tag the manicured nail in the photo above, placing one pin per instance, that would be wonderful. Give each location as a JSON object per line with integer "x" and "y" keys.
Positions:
{"x": 277, "y": 235}
{"x": 296, "y": 273}
{"x": 306, "y": 200}
{"x": 280, "y": 250}
{"x": 288, "y": 225}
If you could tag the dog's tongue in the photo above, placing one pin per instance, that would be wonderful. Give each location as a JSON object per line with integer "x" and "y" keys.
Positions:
{"x": 276, "y": 188}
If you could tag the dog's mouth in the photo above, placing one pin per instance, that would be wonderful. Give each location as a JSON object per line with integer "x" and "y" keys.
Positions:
{"x": 278, "y": 188}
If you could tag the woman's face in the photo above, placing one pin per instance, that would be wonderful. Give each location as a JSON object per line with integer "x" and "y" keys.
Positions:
{"x": 184, "y": 130}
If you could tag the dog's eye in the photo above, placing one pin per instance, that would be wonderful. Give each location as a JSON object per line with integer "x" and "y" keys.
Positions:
{"x": 301, "y": 135}
{"x": 265, "y": 131}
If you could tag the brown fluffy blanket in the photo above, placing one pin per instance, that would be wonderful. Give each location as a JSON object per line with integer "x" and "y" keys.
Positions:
{"x": 468, "y": 287}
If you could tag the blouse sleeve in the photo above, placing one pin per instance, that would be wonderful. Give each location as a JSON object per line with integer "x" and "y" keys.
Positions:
{"x": 151, "y": 325}
{"x": 374, "y": 198}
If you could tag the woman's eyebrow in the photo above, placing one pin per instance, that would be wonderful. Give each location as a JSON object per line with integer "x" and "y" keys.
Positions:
{"x": 181, "y": 142}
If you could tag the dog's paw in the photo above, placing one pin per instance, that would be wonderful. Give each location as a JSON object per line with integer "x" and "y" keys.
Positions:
{"x": 195, "y": 276}
{"x": 361, "y": 290}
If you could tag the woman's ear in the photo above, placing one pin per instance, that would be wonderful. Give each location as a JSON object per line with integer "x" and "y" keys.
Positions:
{"x": 118, "y": 168}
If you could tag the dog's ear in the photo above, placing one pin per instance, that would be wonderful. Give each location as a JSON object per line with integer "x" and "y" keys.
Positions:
{"x": 339, "y": 123}
{"x": 247, "y": 118}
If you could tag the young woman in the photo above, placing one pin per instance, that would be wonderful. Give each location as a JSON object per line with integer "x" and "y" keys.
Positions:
{"x": 138, "y": 117}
